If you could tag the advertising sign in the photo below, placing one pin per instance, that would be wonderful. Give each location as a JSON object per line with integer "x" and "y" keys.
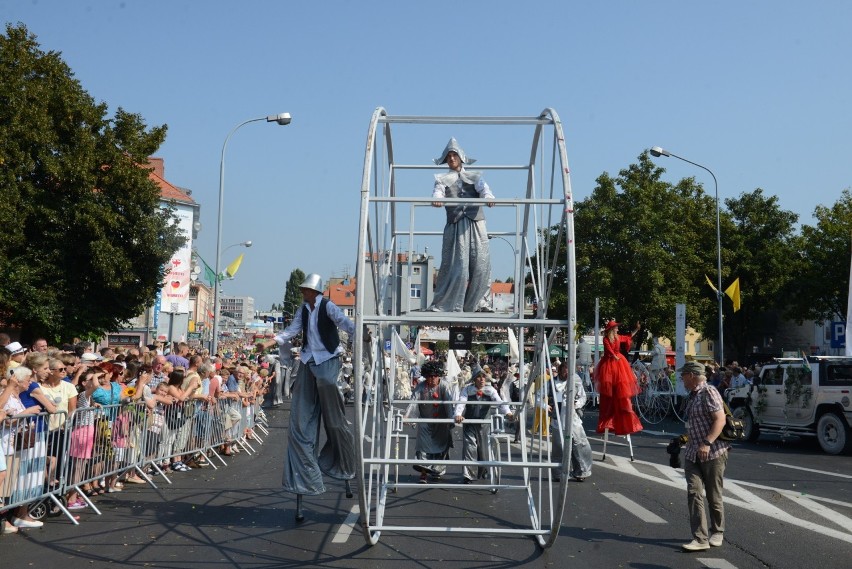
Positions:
{"x": 175, "y": 291}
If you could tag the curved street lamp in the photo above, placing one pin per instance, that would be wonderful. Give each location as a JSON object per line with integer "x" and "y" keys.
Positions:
{"x": 280, "y": 119}
{"x": 656, "y": 151}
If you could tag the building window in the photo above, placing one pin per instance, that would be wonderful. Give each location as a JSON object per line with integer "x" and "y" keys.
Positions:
{"x": 415, "y": 291}
{"x": 350, "y": 312}
{"x": 415, "y": 270}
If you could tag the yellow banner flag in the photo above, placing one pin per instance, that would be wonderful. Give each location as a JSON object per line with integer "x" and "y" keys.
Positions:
{"x": 711, "y": 284}
{"x": 733, "y": 293}
{"x": 232, "y": 269}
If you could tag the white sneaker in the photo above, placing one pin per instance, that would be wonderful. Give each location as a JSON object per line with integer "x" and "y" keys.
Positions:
{"x": 19, "y": 523}
{"x": 716, "y": 539}
{"x": 695, "y": 545}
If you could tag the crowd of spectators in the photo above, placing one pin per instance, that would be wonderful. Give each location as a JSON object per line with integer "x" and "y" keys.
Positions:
{"x": 69, "y": 394}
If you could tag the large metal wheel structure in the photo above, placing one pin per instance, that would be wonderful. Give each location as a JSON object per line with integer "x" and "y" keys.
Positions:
{"x": 656, "y": 397}
{"x": 533, "y": 214}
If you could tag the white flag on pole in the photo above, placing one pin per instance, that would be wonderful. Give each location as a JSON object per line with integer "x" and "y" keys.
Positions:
{"x": 401, "y": 349}
{"x": 513, "y": 346}
{"x": 453, "y": 369}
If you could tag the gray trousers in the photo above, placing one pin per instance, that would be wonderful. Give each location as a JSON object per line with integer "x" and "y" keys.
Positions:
{"x": 700, "y": 477}
{"x": 581, "y": 450}
{"x": 465, "y": 274}
{"x": 473, "y": 449}
{"x": 316, "y": 399}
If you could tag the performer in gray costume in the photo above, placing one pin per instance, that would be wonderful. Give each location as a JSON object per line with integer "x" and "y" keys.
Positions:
{"x": 472, "y": 433}
{"x": 465, "y": 274}
{"x": 581, "y": 451}
{"x": 433, "y": 399}
{"x": 315, "y": 397}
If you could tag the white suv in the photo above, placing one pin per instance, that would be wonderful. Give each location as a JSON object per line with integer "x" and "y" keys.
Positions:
{"x": 805, "y": 397}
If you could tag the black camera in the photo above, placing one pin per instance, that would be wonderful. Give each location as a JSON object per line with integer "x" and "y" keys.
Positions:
{"x": 673, "y": 449}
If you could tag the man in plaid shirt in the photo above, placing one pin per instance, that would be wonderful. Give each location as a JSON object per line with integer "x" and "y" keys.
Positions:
{"x": 705, "y": 458}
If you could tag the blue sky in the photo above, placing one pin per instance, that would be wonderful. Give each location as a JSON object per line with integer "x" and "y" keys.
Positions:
{"x": 756, "y": 91}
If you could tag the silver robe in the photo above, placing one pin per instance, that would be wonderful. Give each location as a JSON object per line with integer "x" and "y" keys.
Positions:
{"x": 465, "y": 274}
{"x": 317, "y": 402}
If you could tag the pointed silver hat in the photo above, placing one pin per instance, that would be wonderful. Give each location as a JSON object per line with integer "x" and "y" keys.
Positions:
{"x": 313, "y": 281}
{"x": 453, "y": 146}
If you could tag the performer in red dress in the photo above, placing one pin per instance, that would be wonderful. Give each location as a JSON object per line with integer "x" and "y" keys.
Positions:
{"x": 616, "y": 385}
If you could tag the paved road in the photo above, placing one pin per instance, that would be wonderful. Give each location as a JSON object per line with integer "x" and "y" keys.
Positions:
{"x": 789, "y": 506}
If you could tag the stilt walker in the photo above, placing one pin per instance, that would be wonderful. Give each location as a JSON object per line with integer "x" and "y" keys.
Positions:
{"x": 316, "y": 398}
{"x": 616, "y": 386}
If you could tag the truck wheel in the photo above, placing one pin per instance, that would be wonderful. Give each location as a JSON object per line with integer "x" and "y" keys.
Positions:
{"x": 750, "y": 429}
{"x": 833, "y": 434}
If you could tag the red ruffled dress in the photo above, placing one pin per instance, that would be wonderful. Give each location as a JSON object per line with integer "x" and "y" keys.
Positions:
{"x": 616, "y": 385}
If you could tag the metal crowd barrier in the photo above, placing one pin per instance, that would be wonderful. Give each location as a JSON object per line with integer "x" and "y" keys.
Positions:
{"x": 50, "y": 455}
{"x": 33, "y": 448}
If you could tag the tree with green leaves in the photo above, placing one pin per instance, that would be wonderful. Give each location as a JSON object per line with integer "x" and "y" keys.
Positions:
{"x": 85, "y": 238}
{"x": 642, "y": 246}
{"x": 759, "y": 248}
{"x": 819, "y": 291}
{"x": 292, "y": 294}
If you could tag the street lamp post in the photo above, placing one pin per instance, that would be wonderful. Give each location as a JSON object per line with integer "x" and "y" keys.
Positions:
{"x": 280, "y": 119}
{"x": 656, "y": 151}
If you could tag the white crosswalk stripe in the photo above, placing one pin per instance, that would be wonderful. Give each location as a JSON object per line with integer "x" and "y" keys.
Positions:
{"x": 738, "y": 495}
{"x": 348, "y": 525}
{"x": 643, "y": 514}
{"x": 715, "y": 563}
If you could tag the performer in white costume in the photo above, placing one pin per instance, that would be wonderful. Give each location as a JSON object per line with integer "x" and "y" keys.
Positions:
{"x": 316, "y": 396}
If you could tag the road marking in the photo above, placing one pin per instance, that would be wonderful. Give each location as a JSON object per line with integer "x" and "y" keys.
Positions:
{"x": 809, "y": 470}
{"x": 623, "y": 464}
{"x": 715, "y": 563}
{"x": 672, "y": 474}
{"x": 794, "y": 495}
{"x": 634, "y": 508}
{"x": 610, "y": 442}
{"x": 745, "y": 499}
{"x": 827, "y": 513}
{"x": 347, "y": 526}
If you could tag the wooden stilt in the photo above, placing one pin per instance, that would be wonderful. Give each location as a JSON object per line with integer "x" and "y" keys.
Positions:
{"x": 348, "y": 489}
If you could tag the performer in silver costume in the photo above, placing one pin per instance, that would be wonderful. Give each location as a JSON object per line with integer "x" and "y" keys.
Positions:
{"x": 316, "y": 397}
{"x": 465, "y": 274}
{"x": 473, "y": 435}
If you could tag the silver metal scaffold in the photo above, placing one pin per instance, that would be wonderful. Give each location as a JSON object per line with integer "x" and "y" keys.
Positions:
{"x": 532, "y": 212}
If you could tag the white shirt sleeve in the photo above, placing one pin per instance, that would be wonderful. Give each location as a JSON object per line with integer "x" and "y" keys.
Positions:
{"x": 339, "y": 317}
{"x": 438, "y": 190}
{"x": 483, "y": 189}
{"x": 291, "y": 331}
{"x": 460, "y": 407}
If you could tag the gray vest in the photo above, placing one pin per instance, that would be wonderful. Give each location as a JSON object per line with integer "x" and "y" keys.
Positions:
{"x": 468, "y": 190}
{"x": 327, "y": 327}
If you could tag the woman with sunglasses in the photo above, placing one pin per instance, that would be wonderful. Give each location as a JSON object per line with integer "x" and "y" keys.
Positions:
{"x": 63, "y": 395}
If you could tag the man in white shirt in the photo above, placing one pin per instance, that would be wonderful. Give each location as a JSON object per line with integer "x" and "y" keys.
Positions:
{"x": 315, "y": 396}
